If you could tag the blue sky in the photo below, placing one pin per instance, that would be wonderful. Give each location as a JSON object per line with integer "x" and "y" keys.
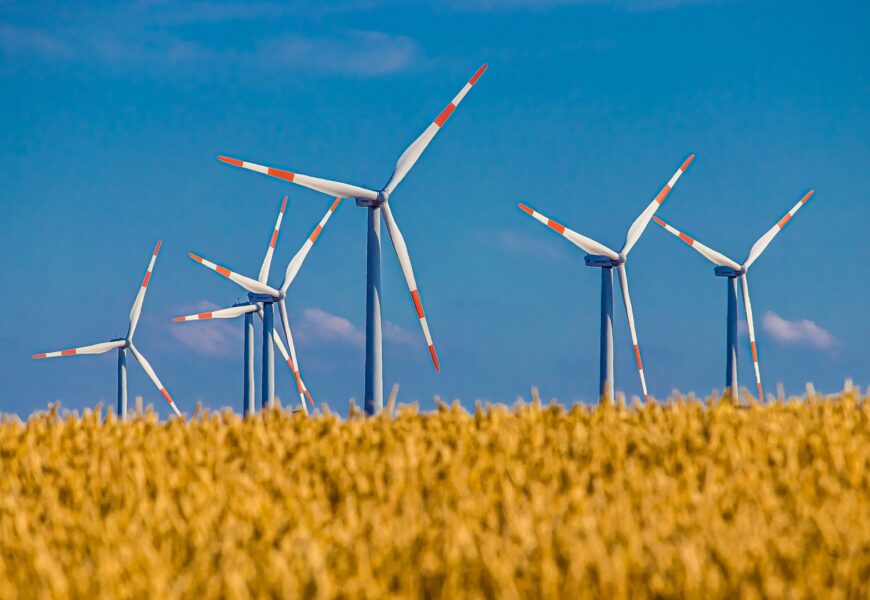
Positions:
{"x": 112, "y": 114}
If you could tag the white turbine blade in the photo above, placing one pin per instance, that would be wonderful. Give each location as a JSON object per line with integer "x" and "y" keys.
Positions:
{"x": 626, "y": 299}
{"x": 299, "y": 258}
{"x": 263, "y": 277}
{"x": 92, "y": 349}
{"x": 639, "y": 225}
{"x": 252, "y": 285}
{"x": 224, "y": 313}
{"x": 140, "y": 297}
{"x": 413, "y": 152}
{"x": 759, "y": 246}
{"x": 586, "y": 244}
{"x": 405, "y": 261}
{"x": 744, "y": 284}
{"x": 330, "y": 188}
{"x": 146, "y": 366}
{"x": 717, "y": 258}
{"x": 276, "y": 338}
{"x": 291, "y": 358}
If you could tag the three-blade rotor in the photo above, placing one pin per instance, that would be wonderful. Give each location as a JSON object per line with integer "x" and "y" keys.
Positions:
{"x": 259, "y": 286}
{"x": 377, "y": 198}
{"x": 127, "y": 341}
{"x": 617, "y": 259}
{"x": 720, "y": 260}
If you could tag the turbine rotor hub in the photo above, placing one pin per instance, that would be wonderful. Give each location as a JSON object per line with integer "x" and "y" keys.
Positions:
{"x": 601, "y": 262}
{"x": 383, "y": 197}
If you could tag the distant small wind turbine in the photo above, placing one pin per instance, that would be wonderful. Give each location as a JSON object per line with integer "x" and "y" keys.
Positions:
{"x": 122, "y": 344}
{"x": 725, "y": 267}
{"x": 377, "y": 201}
{"x": 261, "y": 297}
{"x": 602, "y": 257}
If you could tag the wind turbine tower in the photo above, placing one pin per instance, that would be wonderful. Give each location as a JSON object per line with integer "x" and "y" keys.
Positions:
{"x": 601, "y": 257}
{"x": 122, "y": 345}
{"x": 732, "y": 271}
{"x": 378, "y": 205}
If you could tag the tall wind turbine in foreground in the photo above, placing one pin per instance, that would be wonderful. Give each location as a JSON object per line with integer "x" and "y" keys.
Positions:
{"x": 725, "y": 267}
{"x": 600, "y": 256}
{"x": 122, "y": 344}
{"x": 262, "y": 296}
{"x": 377, "y": 201}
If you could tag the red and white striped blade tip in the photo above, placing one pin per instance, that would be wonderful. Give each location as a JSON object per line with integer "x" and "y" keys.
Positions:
{"x": 478, "y": 73}
{"x": 434, "y": 356}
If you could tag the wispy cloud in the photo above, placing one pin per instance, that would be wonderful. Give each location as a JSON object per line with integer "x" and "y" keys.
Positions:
{"x": 213, "y": 337}
{"x": 401, "y": 337}
{"x": 363, "y": 53}
{"x": 157, "y": 35}
{"x": 802, "y": 331}
{"x": 20, "y": 40}
{"x": 522, "y": 243}
{"x": 542, "y": 5}
{"x": 319, "y": 325}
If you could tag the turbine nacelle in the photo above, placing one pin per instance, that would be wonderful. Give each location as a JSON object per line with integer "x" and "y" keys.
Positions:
{"x": 728, "y": 271}
{"x": 603, "y": 262}
{"x": 255, "y": 298}
{"x": 383, "y": 198}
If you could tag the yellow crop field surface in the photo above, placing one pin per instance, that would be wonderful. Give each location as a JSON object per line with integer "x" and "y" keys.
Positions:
{"x": 672, "y": 500}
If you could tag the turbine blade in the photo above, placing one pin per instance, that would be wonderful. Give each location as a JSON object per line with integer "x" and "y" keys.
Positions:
{"x": 252, "y": 285}
{"x": 330, "y": 188}
{"x": 639, "y": 225}
{"x": 263, "y": 277}
{"x": 747, "y": 305}
{"x": 717, "y": 258}
{"x": 224, "y": 313}
{"x": 291, "y": 358}
{"x": 92, "y": 349}
{"x": 140, "y": 297}
{"x": 626, "y": 299}
{"x": 149, "y": 370}
{"x": 405, "y": 261}
{"x": 759, "y": 246}
{"x": 586, "y": 244}
{"x": 296, "y": 262}
{"x": 412, "y": 153}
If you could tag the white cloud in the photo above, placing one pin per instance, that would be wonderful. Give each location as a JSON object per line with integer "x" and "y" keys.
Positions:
{"x": 525, "y": 244}
{"x": 542, "y": 5}
{"x": 401, "y": 337}
{"x": 319, "y": 325}
{"x": 212, "y": 337}
{"x": 803, "y": 331}
{"x": 363, "y": 53}
{"x": 147, "y": 35}
{"x": 16, "y": 40}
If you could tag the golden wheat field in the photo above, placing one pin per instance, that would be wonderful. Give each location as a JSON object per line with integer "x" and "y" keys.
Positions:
{"x": 672, "y": 500}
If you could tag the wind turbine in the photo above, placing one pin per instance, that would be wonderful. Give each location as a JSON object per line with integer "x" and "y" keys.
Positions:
{"x": 261, "y": 297}
{"x": 600, "y": 256}
{"x": 122, "y": 345}
{"x": 377, "y": 201}
{"x": 248, "y": 309}
{"x": 725, "y": 267}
